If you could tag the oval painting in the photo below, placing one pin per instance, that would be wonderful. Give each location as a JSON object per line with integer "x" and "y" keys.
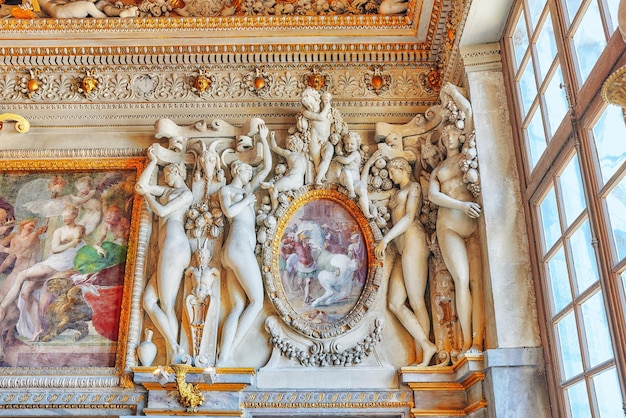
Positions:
{"x": 321, "y": 264}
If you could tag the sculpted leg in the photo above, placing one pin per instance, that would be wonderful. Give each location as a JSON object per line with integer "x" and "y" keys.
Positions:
{"x": 478, "y": 296}
{"x": 397, "y": 297}
{"x": 161, "y": 321}
{"x": 454, "y": 253}
{"x": 229, "y": 328}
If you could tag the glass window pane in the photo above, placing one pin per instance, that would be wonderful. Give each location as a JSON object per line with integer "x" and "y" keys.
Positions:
{"x": 520, "y": 41}
{"x": 550, "y": 219}
{"x": 583, "y": 258}
{"x": 589, "y": 40}
{"x": 597, "y": 330}
{"x": 556, "y": 100}
{"x": 545, "y": 47}
{"x": 579, "y": 400}
{"x": 613, "y": 5}
{"x": 536, "y": 7}
{"x": 528, "y": 87}
{"x": 609, "y": 133}
{"x": 606, "y": 388}
{"x": 559, "y": 281}
{"x": 572, "y": 191}
{"x": 536, "y": 138}
{"x": 569, "y": 348}
{"x": 572, "y": 8}
{"x": 616, "y": 206}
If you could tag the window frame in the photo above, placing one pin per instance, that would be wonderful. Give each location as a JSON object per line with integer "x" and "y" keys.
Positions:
{"x": 572, "y": 136}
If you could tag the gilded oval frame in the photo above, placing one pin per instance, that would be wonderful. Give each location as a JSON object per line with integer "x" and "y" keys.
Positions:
{"x": 314, "y": 320}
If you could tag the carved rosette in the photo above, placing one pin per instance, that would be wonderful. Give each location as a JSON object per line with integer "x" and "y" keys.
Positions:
{"x": 258, "y": 81}
{"x": 376, "y": 81}
{"x": 316, "y": 79}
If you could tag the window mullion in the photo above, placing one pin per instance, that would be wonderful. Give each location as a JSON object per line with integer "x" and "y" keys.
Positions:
{"x": 602, "y": 248}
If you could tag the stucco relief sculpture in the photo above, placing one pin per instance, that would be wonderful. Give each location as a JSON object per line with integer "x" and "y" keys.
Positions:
{"x": 454, "y": 188}
{"x": 204, "y": 8}
{"x": 409, "y": 272}
{"x": 243, "y": 275}
{"x": 169, "y": 202}
{"x": 310, "y": 236}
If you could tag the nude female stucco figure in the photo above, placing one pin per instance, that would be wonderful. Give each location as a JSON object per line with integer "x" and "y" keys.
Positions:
{"x": 456, "y": 222}
{"x": 169, "y": 202}
{"x": 243, "y": 276}
{"x": 409, "y": 273}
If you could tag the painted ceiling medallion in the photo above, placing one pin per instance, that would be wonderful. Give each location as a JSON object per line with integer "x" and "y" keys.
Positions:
{"x": 376, "y": 81}
{"x": 201, "y": 82}
{"x": 316, "y": 79}
{"x": 258, "y": 81}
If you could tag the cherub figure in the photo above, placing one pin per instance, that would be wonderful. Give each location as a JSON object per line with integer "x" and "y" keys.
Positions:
{"x": 349, "y": 164}
{"x": 296, "y": 167}
{"x": 316, "y": 123}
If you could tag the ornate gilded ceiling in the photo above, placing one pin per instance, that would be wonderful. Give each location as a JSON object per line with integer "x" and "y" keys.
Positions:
{"x": 369, "y": 54}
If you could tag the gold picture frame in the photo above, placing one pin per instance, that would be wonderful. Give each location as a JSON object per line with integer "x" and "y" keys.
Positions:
{"x": 87, "y": 337}
{"x": 347, "y": 274}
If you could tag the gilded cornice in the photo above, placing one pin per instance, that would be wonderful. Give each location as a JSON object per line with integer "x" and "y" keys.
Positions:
{"x": 331, "y": 54}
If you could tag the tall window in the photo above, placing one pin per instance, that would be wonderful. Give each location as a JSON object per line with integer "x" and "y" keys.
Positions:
{"x": 574, "y": 163}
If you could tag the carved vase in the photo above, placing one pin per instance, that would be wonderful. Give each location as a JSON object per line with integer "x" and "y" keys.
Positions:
{"x": 146, "y": 351}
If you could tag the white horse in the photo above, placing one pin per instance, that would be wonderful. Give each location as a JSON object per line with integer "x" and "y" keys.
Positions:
{"x": 335, "y": 274}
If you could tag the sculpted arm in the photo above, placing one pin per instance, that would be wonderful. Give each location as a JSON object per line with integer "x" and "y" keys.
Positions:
{"x": 180, "y": 202}
{"x": 143, "y": 186}
{"x": 413, "y": 201}
{"x": 462, "y": 103}
{"x": 230, "y": 208}
{"x": 441, "y": 199}
{"x": 267, "y": 159}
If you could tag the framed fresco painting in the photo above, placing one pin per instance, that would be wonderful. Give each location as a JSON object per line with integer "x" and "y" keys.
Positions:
{"x": 323, "y": 235}
{"x": 68, "y": 231}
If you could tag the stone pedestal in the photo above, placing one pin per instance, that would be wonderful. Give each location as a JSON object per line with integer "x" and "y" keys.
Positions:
{"x": 220, "y": 388}
{"x": 448, "y": 391}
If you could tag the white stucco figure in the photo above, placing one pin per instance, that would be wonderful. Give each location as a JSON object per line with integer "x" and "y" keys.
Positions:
{"x": 409, "y": 273}
{"x": 243, "y": 275}
{"x": 77, "y": 9}
{"x": 169, "y": 203}
{"x": 348, "y": 163}
{"x": 316, "y": 123}
{"x": 296, "y": 167}
{"x": 202, "y": 278}
{"x": 456, "y": 219}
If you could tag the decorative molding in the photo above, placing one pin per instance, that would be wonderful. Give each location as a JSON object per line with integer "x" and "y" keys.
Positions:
{"x": 485, "y": 57}
{"x": 328, "y": 399}
{"x": 157, "y": 84}
{"x": 392, "y": 54}
{"x": 29, "y": 154}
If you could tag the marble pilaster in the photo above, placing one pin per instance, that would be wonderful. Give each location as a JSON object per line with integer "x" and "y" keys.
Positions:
{"x": 515, "y": 383}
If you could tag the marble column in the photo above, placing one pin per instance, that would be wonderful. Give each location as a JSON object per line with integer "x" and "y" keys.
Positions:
{"x": 515, "y": 383}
